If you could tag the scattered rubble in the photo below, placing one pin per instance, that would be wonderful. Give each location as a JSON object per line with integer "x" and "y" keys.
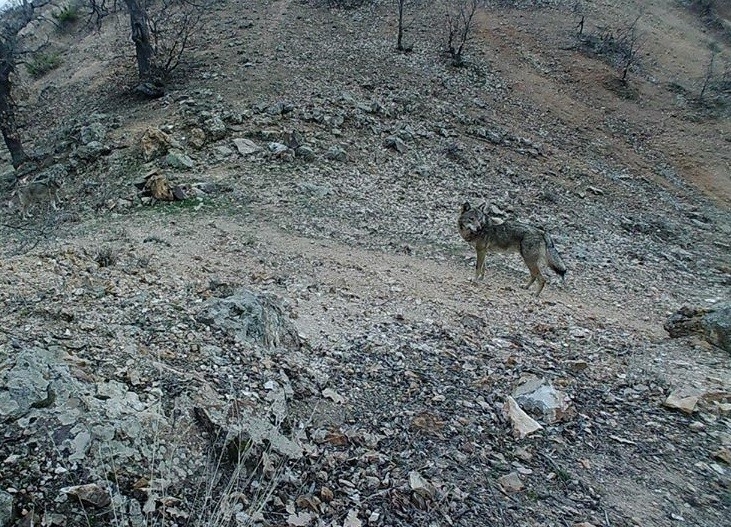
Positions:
{"x": 315, "y": 342}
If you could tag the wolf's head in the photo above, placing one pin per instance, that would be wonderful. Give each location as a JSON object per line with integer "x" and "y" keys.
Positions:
{"x": 471, "y": 220}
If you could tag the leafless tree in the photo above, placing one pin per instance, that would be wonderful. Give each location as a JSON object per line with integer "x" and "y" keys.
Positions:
{"x": 12, "y": 21}
{"x": 618, "y": 46}
{"x": 629, "y": 45}
{"x": 161, "y": 31}
{"x": 172, "y": 26}
{"x": 400, "y": 38}
{"x": 709, "y": 70}
{"x": 402, "y": 6}
{"x": 460, "y": 24}
{"x": 578, "y": 12}
{"x": 141, "y": 36}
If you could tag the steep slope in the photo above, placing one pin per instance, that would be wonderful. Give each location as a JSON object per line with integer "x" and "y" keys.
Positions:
{"x": 397, "y": 396}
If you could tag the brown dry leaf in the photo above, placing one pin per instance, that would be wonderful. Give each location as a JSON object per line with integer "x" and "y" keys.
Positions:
{"x": 308, "y": 502}
{"x": 141, "y": 483}
{"x": 90, "y": 493}
{"x": 326, "y": 494}
{"x": 337, "y": 438}
{"x": 428, "y": 423}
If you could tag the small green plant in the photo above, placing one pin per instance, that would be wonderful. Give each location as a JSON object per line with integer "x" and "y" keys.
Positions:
{"x": 41, "y": 63}
{"x": 67, "y": 15}
{"x": 106, "y": 256}
{"x": 563, "y": 475}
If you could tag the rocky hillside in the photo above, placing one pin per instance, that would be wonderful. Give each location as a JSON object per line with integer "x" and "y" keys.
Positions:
{"x": 253, "y": 306}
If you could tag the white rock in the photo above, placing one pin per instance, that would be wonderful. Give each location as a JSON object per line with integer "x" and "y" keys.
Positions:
{"x": 523, "y": 424}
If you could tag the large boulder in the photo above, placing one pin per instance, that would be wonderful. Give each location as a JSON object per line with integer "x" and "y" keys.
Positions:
{"x": 713, "y": 324}
{"x": 93, "y": 132}
{"x": 156, "y": 143}
{"x": 717, "y": 327}
{"x": 248, "y": 316}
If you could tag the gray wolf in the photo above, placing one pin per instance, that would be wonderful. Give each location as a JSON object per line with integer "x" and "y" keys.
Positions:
{"x": 534, "y": 245}
{"x": 38, "y": 191}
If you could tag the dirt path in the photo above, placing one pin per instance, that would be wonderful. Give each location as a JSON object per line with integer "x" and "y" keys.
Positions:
{"x": 274, "y": 17}
{"x": 355, "y": 286}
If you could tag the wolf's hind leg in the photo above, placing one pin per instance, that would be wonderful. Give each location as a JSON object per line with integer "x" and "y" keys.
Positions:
{"x": 535, "y": 274}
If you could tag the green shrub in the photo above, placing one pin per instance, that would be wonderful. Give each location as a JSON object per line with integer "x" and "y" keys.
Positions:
{"x": 67, "y": 15}
{"x": 42, "y": 63}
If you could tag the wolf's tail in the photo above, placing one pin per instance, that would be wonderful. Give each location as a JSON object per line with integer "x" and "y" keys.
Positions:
{"x": 552, "y": 257}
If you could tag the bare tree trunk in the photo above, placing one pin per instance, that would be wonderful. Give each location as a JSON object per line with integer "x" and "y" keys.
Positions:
{"x": 399, "y": 41}
{"x": 16, "y": 18}
{"x": 8, "y": 123}
{"x": 460, "y": 23}
{"x": 143, "y": 42}
{"x": 709, "y": 73}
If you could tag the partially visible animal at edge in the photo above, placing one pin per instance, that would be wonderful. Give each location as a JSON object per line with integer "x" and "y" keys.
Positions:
{"x": 36, "y": 192}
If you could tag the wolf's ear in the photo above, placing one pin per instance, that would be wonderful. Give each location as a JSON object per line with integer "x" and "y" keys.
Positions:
{"x": 465, "y": 206}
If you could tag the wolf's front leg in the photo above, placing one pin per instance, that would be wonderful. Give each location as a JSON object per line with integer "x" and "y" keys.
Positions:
{"x": 480, "y": 264}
